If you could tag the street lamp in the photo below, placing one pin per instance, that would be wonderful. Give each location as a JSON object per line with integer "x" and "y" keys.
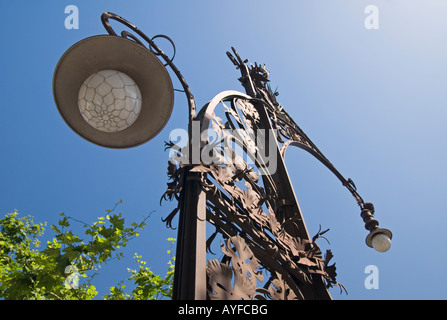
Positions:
{"x": 116, "y": 92}
{"x": 379, "y": 239}
{"x": 103, "y": 92}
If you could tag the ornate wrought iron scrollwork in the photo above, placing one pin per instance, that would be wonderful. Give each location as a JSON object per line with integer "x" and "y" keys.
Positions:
{"x": 255, "y": 80}
{"x": 240, "y": 206}
{"x": 251, "y": 206}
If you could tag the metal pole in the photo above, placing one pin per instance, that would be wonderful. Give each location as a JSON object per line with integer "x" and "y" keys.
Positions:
{"x": 190, "y": 264}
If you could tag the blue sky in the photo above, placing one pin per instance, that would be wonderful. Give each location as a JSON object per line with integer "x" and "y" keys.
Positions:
{"x": 373, "y": 101}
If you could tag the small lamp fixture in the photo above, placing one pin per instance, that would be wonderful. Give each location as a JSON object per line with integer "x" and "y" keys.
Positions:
{"x": 113, "y": 91}
{"x": 379, "y": 239}
{"x": 381, "y": 242}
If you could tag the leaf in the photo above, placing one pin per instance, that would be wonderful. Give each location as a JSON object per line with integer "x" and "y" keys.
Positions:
{"x": 55, "y": 229}
{"x": 31, "y": 273}
{"x": 64, "y": 222}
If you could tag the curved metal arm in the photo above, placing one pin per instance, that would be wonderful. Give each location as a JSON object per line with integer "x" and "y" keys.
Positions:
{"x": 261, "y": 93}
{"x": 255, "y": 81}
{"x": 348, "y": 183}
{"x": 153, "y": 48}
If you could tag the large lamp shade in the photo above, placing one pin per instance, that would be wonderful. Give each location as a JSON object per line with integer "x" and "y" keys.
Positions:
{"x": 113, "y": 91}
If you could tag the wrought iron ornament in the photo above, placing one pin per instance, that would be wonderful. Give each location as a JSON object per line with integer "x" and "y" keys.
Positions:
{"x": 243, "y": 189}
{"x": 259, "y": 219}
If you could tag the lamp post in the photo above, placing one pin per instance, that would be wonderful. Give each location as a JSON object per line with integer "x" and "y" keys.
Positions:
{"x": 115, "y": 91}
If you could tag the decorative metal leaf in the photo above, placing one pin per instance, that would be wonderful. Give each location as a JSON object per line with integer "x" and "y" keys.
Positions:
{"x": 279, "y": 290}
{"x": 242, "y": 258}
{"x": 243, "y": 268}
{"x": 169, "y": 218}
{"x": 219, "y": 279}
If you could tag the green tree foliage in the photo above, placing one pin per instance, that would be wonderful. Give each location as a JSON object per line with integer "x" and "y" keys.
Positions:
{"x": 65, "y": 267}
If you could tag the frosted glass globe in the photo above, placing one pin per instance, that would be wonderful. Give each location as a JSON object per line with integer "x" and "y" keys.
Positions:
{"x": 109, "y": 101}
{"x": 381, "y": 242}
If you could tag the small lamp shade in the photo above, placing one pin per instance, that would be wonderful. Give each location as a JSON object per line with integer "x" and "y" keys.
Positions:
{"x": 381, "y": 242}
{"x": 379, "y": 239}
